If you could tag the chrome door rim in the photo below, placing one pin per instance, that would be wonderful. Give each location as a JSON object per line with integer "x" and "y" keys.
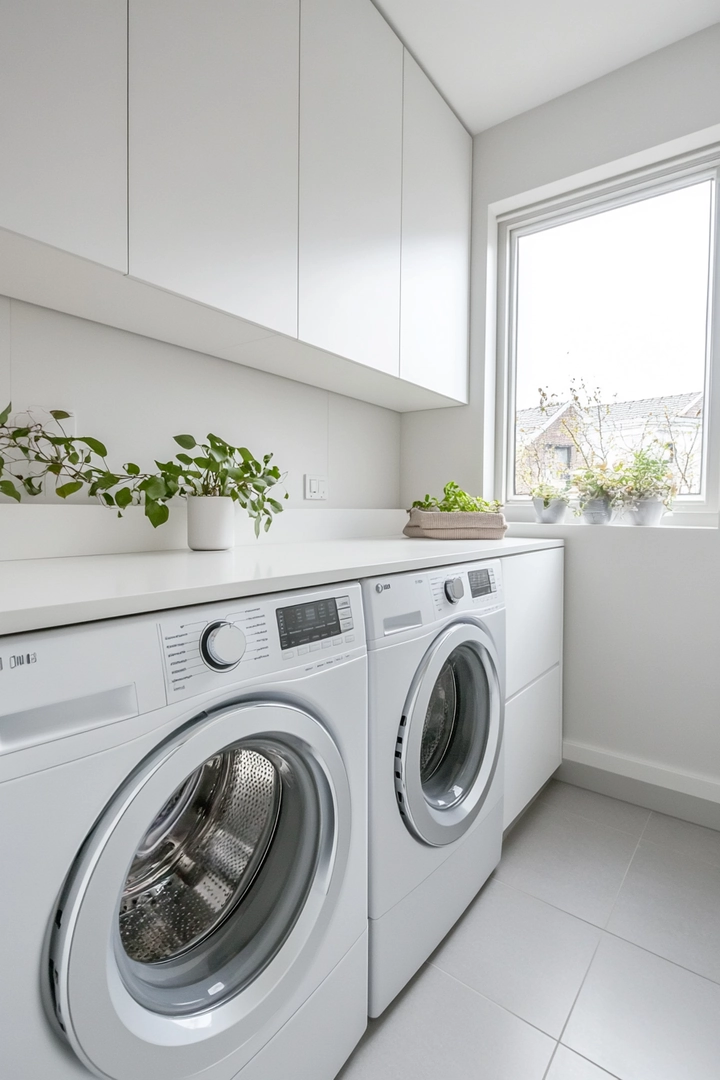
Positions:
{"x": 430, "y": 824}
{"x": 111, "y": 1031}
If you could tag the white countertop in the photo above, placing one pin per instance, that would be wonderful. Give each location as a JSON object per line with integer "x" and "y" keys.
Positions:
{"x": 38, "y": 593}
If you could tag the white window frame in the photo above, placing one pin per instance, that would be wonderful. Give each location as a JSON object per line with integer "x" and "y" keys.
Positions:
{"x": 663, "y": 177}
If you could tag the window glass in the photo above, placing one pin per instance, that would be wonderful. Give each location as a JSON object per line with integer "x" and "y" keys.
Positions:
{"x": 611, "y": 340}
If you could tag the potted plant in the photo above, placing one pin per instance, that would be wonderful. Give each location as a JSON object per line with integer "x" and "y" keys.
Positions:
{"x": 213, "y": 480}
{"x": 457, "y": 516}
{"x": 550, "y": 502}
{"x": 648, "y": 488}
{"x": 598, "y": 488}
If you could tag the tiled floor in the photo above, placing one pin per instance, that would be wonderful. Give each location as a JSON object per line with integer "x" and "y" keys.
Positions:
{"x": 592, "y": 953}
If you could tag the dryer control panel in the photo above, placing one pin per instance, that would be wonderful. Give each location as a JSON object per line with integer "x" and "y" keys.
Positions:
{"x": 214, "y": 645}
{"x": 400, "y": 603}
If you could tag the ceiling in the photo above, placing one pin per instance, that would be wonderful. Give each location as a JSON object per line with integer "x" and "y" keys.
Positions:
{"x": 493, "y": 59}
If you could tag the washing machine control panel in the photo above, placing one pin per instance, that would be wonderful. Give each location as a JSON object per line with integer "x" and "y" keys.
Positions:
{"x": 302, "y": 626}
{"x": 214, "y": 645}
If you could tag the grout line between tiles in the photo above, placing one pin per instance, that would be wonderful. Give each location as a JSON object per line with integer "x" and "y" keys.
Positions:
{"x": 542, "y": 900}
{"x": 547, "y": 804}
{"x": 497, "y": 1005}
{"x": 624, "y": 879}
{"x": 659, "y": 956}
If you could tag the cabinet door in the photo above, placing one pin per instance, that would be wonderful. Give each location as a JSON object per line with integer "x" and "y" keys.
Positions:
{"x": 213, "y": 153}
{"x": 63, "y": 107}
{"x": 533, "y": 741}
{"x": 350, "y": 181}
{"x": 436, "y": 193}
{"x": 533, "y": 584}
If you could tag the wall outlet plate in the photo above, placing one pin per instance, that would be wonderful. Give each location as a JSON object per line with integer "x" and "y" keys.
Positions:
{"x": 316, "y": 487}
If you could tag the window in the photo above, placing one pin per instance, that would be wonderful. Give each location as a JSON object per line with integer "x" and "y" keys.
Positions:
{"x": 605, "y": 342}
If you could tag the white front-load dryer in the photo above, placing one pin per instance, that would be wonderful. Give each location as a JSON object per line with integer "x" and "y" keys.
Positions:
{"x": 436, "y": 658}
{"x": 184, "y": 847}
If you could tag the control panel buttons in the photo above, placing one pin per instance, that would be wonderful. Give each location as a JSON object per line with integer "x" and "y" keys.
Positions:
{"x": 454, "y": 589}
{"x": 343, "y": 602}
{"x": 222, "y": 645}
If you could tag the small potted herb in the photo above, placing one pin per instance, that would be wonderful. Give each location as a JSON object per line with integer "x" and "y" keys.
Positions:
{"x": 550, "y": 503}
{"x": 457, "y": 516}
{"x": 599, "y": 491}
{"x": 648, "y": 488}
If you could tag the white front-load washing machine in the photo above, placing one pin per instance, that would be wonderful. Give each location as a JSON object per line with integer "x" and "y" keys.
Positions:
{"x": 436, "y": 658}
{"x": 184, "y": 843}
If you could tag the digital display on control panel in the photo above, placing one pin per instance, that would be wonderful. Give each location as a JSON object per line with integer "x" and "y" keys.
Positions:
{"x": 482, "y": 582}
{"x": 303, "y": 623}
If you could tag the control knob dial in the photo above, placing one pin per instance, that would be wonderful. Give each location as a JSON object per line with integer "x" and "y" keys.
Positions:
{"x": 454, "y": 589}
{"x": 222, "y": 645}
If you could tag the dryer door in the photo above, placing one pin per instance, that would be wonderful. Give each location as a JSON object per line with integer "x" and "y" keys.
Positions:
{"x": 450, "y": 735}
{"x": 198, "y": 901}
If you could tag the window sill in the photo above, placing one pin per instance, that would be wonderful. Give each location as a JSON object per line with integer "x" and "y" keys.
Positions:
{"x": 524, "y": 514}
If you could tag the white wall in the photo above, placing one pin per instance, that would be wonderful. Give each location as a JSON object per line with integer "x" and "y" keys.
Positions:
{"x": 135, "y": 393}
{"x": 642, "y": 678}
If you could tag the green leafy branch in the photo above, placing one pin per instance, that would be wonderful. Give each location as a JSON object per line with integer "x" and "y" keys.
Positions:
{"x": 31, "y": 454}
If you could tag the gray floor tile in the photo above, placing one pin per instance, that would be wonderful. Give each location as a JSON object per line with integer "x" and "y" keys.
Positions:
{"x": 567, "y": 1065}
{"x": 440, "y": 1028}
{"x": 575, "y": 864}
{"x": 670, "y": 904}
{"x": 691, "y": 839}
{"x": 643, "y": 1018}
{"x": 595, "y": 807}
{"x": 523, "y": 954}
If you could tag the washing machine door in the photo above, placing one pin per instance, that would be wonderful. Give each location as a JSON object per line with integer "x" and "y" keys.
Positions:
{"x": 450, "y": 734}
{"x": 198, "y": 901}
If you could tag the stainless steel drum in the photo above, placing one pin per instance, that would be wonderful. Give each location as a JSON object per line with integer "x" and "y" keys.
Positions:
{"x": 199, "y": 856}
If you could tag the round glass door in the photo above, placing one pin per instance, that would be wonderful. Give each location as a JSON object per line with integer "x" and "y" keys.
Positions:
{"x": 200, "y": 898}
{"x": 219, "y": 878}
{"x": 449, "y": 738}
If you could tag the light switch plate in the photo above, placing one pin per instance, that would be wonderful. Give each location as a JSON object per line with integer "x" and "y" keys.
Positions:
{"x": 316, "y": 487}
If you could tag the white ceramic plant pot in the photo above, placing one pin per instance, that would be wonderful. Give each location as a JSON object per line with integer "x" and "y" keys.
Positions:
{"x": 648, "y": 511}
{"x": 552, "y": 514}
{"x": 597, "y": 512}
{"x": 210, "y": 522}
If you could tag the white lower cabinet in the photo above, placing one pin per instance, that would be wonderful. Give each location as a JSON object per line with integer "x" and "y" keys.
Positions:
{"x": 533, "y": 741}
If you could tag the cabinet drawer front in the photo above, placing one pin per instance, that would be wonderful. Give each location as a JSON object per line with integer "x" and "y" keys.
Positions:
{"x": 533, "y": 741}
{"x": 534, "y": 605}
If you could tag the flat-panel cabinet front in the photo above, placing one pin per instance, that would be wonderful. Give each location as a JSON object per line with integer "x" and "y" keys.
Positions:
{"x": 350, "y": 182}
{"x": 534, "y": 613}
{"x": 533, "y": 741}
{"x": 437, "y": 172}
{"x": 63, "y": 109}
{"x": 213, "y": 147}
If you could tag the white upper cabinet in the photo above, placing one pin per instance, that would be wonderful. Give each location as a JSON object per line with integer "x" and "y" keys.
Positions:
{"x": 436, "y": 198}
{"x": 63, "y": 107}
{"x": 350, "y": 182}
{"x": 213, "y": 149}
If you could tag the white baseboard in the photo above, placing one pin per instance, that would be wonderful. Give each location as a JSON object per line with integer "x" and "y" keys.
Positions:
{"x": 669, "y": 791}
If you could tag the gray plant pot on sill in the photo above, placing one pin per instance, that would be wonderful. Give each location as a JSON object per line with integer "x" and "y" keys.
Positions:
{"x": 552, "y": 514}
{"x": 597, "y": 512}
{"x": 648, "y": 511}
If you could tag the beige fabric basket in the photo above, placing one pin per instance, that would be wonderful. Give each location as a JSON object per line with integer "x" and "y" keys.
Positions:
{"x": 458, "y": 525}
